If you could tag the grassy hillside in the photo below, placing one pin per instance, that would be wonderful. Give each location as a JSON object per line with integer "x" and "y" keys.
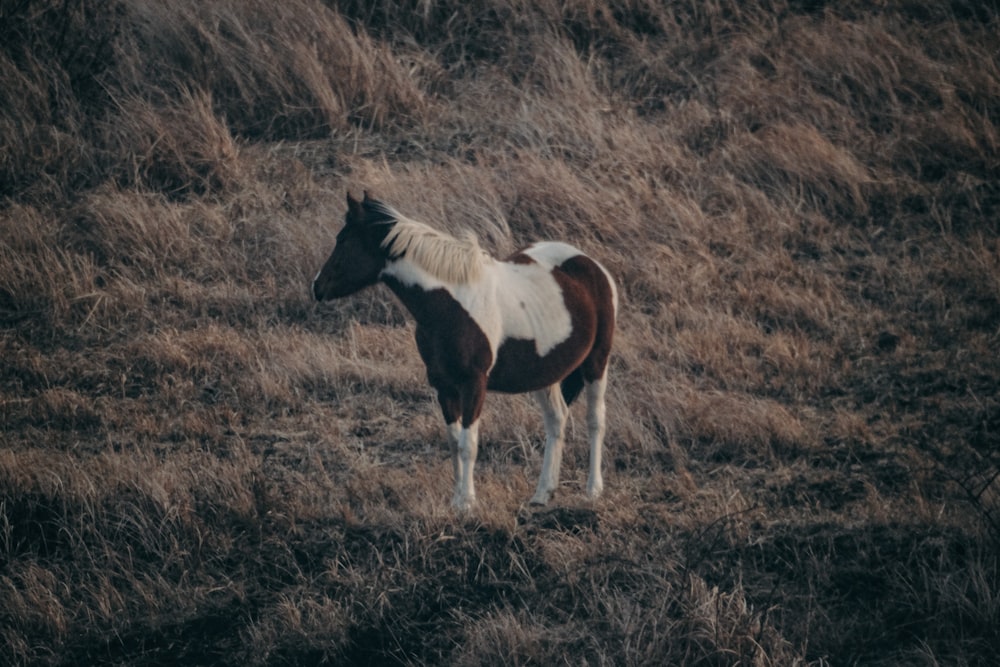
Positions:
{"x": 801, "y": 203}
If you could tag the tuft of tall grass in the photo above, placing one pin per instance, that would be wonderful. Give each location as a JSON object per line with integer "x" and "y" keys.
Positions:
{"x": 297, "y": 71}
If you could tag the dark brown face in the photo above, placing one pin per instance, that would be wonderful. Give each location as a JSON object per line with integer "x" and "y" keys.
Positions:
{"x": 357, "y": 258}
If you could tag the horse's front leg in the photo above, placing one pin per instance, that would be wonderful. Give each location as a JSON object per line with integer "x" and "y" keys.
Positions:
{"x": 465, "y": 487}
{"x": 451, "y": 408}
{"x": 454, "y": 436}
{"x": 473, "y": 394}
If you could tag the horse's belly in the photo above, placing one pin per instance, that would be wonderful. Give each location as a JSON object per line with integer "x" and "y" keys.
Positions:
{"x": 519, "y": 368}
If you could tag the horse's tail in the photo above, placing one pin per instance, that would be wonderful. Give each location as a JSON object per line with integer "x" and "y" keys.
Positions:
{"x": 572, "y": 385}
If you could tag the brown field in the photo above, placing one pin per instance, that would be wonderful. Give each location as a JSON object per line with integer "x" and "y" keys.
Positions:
{"x": 801, "y": 203}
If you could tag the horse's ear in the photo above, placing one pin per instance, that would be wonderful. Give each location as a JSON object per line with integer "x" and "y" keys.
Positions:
{"x": 355, "y": 213}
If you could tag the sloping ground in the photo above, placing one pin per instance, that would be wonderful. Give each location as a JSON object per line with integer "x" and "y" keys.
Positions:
{"x": 199, "y": 465}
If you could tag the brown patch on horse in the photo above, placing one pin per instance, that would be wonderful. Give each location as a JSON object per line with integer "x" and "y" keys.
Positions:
{"x": 519, "y": 257}
{"x": 588, "y": 272}
{"x": 454, "y": 349}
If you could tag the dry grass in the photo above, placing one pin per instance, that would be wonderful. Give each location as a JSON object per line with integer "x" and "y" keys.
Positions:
{"x": 800, "y": 202}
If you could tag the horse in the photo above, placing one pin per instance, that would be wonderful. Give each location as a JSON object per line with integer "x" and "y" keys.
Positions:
{"x": 539, "y": 321}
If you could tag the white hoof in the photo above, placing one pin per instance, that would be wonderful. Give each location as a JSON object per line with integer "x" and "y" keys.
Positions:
{"x": 594, "y": 488}
{"x": 463, "y": 503}
{"x": 540, "y": 498}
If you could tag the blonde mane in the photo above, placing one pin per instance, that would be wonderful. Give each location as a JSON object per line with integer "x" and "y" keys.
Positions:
{"x": 456, "y": 261}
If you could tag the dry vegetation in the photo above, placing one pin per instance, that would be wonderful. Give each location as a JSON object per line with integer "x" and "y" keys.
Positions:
{"x": 801, "y": 201}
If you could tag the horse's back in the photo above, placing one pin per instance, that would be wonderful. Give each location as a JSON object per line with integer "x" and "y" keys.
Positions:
{"x": 573, "y": 262}
{"x": 547, "y": 253}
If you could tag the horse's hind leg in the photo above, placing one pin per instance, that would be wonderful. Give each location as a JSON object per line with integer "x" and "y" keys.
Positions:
{"x": 554, "y": 412}
{"x": 595, "y": 433}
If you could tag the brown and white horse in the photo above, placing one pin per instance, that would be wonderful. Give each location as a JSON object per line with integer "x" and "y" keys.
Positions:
{"x": 539, "y": 321}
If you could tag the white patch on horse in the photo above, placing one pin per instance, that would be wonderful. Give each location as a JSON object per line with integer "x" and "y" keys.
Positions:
{"x": 552, "y": 323}
{"x": 506, "y": 300}
{"x": 531, "y": 303}
{"x": 551, "y": 253}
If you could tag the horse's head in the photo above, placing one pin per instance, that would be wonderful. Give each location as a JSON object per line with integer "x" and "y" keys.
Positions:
{"x": 358, "y": 257}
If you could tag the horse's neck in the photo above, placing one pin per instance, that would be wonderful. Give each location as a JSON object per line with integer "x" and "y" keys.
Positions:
{"x": 431, "y": 302}
{"x": 424, "y": 304}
